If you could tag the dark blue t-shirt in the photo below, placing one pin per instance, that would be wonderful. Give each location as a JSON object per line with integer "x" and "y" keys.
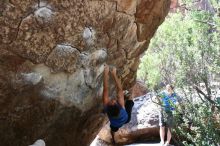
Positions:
{"x": 120, "y": 120}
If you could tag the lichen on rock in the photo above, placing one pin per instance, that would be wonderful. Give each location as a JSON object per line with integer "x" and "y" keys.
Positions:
{"x": 64, "y": 58}
{"x": 43, "y": 14}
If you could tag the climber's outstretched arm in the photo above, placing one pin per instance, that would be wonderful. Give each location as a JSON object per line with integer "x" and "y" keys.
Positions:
{"x": 105, "y": 97}
{"x": 120, "y": 94}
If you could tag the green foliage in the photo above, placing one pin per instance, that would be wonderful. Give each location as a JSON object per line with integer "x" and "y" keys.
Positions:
{"x": 185, "y": 51}
{"x": 151, "y": 65}
{"x": 200, "y": 126}
{"x": 188, "y": 47}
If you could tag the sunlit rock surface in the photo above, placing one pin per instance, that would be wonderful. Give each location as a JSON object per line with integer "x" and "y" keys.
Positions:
{"x": 51, "y": 62}
{"x": 139, "y": 89}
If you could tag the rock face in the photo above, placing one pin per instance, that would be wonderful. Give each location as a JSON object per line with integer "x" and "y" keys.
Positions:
{"x": 51, "y": 63}
{"x": 144, "y": 124}
{"x": 139, "y": 89}
{"x": 174, "y": 4}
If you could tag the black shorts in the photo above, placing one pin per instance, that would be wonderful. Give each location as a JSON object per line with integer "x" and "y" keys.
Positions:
{"x": 166, "y": 119}
{"x": 128, "y": 107}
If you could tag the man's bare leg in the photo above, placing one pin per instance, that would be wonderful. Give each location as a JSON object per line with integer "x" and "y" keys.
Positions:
{"x": 162, "y": 134}
{"x": 168, "y": 136}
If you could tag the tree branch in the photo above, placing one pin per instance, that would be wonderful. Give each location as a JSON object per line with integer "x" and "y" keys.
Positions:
{"x": 205, "y": 22}
{"x": 206, "y": 97}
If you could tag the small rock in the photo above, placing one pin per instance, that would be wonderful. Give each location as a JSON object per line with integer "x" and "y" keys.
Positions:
{"x": 31, "y": 78}
{"x": 39, "y": 142}
{"x": 43, "y": 14}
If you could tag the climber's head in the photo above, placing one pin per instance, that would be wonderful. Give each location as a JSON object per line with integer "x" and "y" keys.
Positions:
{"x": 113, "y": 108}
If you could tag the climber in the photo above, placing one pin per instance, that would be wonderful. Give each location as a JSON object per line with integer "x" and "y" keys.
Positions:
{"x": 118, "y": 111}
{"x": 169, "y": 101}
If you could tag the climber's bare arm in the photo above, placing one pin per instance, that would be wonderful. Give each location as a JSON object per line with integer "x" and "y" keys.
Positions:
{"x": 105, "y": 97}
{"x": 120, "y": 94}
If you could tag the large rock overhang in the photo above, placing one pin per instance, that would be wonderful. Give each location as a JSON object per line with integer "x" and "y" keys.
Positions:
{"x": 51, "y": 61}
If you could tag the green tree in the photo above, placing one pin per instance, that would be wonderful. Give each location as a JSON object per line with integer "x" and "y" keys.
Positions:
{"x": 185, "y": 51}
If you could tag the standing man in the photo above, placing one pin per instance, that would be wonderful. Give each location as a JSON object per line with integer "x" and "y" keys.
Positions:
{"x": 118, "y": 111}
{"x": 168, "y": 100}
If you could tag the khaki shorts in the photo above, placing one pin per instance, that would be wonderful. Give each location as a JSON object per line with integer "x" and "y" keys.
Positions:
{"x": 166, "y": 119}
